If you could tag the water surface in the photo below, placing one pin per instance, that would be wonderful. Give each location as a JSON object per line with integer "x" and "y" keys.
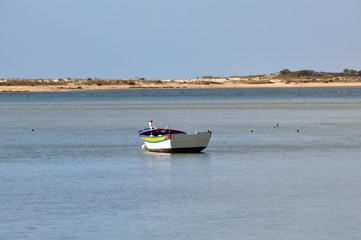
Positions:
{"x": 71, "y": 166}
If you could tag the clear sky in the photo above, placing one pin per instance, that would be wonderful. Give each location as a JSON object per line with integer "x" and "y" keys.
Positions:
{"x": 173, "y": 39}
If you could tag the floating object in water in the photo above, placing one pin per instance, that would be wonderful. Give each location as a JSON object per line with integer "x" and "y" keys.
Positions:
{"x": 171, "y": 140}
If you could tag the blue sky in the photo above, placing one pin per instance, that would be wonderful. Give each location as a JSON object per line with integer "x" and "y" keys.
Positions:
{"x": 163, "y": 39}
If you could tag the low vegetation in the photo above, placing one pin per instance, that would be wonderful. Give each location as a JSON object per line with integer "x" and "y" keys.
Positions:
{"x": 29, "y": 82}
{"x": 311, "y": 76}
{"x": 311, "y": 73}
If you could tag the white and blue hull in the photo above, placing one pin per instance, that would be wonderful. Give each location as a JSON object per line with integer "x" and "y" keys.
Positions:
{"x": 180, "y": 143}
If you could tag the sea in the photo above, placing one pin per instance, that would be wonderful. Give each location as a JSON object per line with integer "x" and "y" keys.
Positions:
{"x": 282, "y": 163}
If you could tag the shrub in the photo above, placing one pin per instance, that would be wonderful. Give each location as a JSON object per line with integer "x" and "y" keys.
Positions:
{"x": 303, "y": 73}
{"x": 285, "y": 71}
{"x": 351, "y": 72}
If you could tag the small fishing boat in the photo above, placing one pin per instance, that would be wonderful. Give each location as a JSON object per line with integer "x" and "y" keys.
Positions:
{"x": 171, "y": 140}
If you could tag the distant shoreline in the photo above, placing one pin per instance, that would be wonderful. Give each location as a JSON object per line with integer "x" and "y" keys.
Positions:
{"x": 280, "y": 80}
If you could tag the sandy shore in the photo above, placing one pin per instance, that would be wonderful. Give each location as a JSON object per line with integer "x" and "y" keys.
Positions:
{"x": 266, "y": 81}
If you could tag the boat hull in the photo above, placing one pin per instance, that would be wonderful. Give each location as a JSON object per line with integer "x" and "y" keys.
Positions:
{"x": 178, "y": 150}
{"x": 183, "y": 143}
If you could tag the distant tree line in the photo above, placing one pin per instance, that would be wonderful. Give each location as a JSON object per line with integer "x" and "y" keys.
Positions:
{"x": 309, "y": 73}
{"x": 352, "y": 72}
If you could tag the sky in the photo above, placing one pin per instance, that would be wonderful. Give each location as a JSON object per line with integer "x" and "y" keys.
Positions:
{"x": 176, "y": 39}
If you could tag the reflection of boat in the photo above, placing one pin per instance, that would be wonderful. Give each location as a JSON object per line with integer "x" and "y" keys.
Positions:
{"x": 170, "y": 140}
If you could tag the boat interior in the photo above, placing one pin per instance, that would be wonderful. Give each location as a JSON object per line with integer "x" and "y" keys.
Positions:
{"x": 158, "y": 132}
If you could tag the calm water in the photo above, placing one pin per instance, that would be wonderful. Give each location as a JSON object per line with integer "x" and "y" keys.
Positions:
{"x": 81, "y": 174}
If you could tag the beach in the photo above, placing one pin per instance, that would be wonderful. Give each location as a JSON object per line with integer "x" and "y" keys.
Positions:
{"x": 259, "y": 81}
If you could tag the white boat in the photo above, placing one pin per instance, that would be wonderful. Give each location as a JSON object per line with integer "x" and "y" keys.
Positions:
{"x": 171, "y": 140}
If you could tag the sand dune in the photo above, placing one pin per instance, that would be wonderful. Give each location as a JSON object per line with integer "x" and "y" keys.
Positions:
{"x": 260, "y": 81}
